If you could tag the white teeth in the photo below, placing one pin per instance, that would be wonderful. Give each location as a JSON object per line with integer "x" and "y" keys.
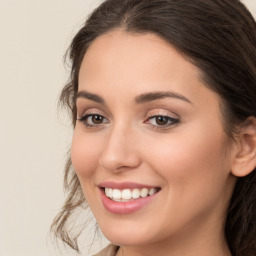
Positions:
{"x": 144, "y": 192}
{"x": 109, "y": 192}
{"x": 117, "y": 194}
{"x": 128, "y": 194}
{"x": 135, "y": 193}
{"x": 152, "y": 191}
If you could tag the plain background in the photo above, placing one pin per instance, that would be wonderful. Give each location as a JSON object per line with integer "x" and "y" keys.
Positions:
{"x": 34, "y": 138}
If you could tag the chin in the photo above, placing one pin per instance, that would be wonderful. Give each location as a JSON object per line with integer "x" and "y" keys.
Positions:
{"x": 128, "y": 234}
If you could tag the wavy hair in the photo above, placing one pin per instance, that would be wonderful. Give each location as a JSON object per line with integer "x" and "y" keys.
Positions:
{"x": 219, "y": 37}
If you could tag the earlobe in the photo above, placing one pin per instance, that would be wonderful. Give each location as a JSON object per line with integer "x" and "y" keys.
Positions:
{"x": 245, "y": 159}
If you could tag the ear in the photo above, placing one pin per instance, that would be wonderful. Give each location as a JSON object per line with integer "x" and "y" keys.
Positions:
{"x": 245, "y": 159}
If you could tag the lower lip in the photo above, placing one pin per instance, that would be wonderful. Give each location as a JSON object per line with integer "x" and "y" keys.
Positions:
{"x": 125, "y": 207}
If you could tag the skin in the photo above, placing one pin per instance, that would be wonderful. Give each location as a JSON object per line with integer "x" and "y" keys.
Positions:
{"x": 189, "y": 160}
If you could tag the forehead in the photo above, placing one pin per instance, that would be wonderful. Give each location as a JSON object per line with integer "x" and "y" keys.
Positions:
{"x": 121, "y": 54}
{"x": 119, "y": 46}
{"x": 125, "y": 64}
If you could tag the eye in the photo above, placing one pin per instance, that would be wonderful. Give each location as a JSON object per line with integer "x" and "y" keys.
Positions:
{"x": 162, "y": 121}
{"x": 93, "y": 120}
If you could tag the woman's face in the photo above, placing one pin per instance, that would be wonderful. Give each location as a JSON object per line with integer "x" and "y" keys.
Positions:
{"x": 151, "y": 133}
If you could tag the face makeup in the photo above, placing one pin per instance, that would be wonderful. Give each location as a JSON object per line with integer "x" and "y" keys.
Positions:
{"x": 149, "y": 147}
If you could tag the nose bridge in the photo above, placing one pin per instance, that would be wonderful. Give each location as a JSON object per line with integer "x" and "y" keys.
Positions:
{"x": 120, "y": 148}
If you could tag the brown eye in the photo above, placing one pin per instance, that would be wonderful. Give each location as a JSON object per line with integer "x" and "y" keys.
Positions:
{"x": 93, "y": 120}
{"x": 161, "y": 120}
{"x": 97, "y": 119}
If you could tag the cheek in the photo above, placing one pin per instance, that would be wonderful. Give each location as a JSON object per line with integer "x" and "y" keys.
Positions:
{"x": 191, "y": 160}
{"x": 84, "y": 154}
{"x": 195, "y": 172}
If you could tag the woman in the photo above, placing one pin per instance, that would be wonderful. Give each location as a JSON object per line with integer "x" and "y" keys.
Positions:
{"x": 162, "y": 95}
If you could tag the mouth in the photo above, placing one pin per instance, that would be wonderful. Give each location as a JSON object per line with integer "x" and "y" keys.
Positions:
{"x": 128, "y": 194}
{"x": 125, "y": 198}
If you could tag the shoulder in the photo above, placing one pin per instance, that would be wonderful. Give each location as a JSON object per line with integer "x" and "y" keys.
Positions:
{"x": 110, "y": 250}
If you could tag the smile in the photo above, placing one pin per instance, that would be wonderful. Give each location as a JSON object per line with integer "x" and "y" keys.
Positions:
{"x": 126, "y": 195}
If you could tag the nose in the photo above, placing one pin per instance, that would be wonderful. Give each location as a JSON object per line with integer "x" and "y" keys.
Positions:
{"x": 120, "y": 152}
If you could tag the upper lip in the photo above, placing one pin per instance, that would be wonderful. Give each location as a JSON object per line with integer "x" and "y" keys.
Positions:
{"x": 123, "y": 185}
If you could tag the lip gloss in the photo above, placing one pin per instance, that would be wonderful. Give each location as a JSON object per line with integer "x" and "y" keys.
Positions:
{"x": 130, "y": 206}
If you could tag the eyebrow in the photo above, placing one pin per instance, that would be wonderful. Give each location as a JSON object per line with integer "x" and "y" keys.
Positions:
{"x": 90, "y": 96}
{"x": 140, "y": 99}
{"x": 151, "y": 96}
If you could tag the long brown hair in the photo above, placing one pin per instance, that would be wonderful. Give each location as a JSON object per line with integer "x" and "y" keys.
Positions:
{"x": 219, "y": 37}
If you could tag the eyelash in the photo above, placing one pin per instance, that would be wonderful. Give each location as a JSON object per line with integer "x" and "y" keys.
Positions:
{"x": 84, "y": 120}
{"x": 170, "y": 121}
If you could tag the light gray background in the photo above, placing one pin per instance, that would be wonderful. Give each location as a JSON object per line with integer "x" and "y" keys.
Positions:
{"x": 34, "y": 35}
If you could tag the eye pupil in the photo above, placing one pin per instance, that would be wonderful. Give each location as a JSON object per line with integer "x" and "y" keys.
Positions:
{"x": 161, "y": 120}
{"x": 97, "y": 119}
